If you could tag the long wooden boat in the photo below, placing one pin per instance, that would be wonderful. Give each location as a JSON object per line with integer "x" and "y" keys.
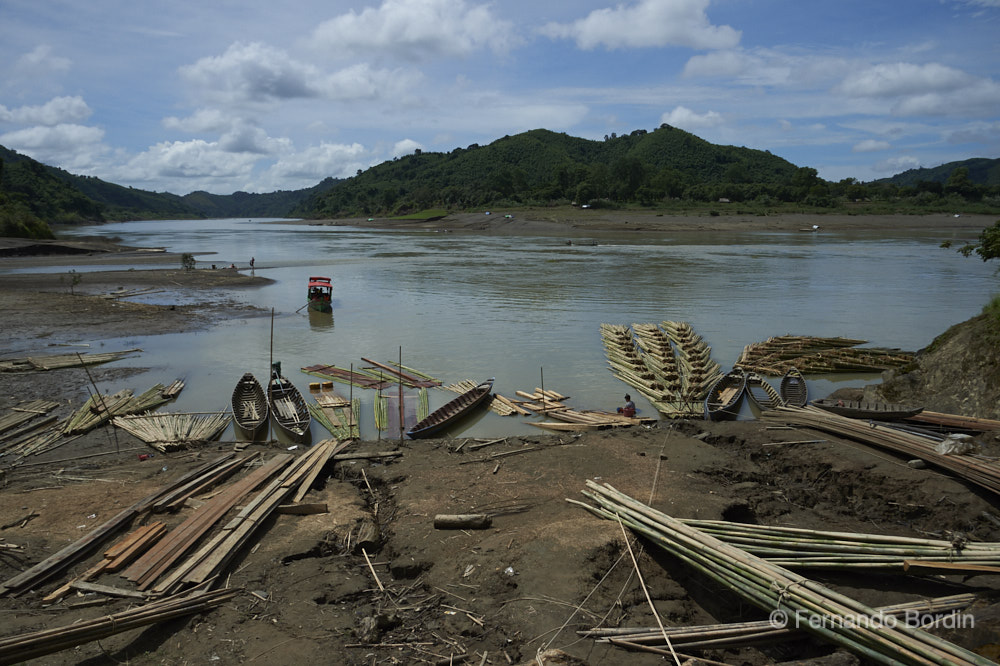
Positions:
{"x": 723, "y": 400}
{"x": 250, "y": 405}
{"x": 863, "y": 409}
{"x": 761, "y": 393}
{"x": 793, "y": 388}
{"x": 289, "y": 410}
{"x": 453, "y": 411}
{"x": 320, "y": 294}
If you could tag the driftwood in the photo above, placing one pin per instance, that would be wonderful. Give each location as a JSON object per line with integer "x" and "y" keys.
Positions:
{"x": 469, "y": 521}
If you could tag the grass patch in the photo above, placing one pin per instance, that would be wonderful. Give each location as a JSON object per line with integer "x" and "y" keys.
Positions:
{"x": 423, "y": 215}
{"x": 992, "y": 311}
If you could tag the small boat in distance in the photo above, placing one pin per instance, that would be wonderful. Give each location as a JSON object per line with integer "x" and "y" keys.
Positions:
{"x": 320, "y": 294}
{"x": 863, "y": 409}
{"x": 761, "y": 393}
{"x": 250, "y": 405}
{"x": 289, "y": 410}
{"x": 453, "y": 411}
{"x": 723, "y": 400}
{"x": 793, "y": 388}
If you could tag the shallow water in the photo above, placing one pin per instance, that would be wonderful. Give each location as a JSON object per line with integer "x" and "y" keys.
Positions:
{"x": 527, "y": 309}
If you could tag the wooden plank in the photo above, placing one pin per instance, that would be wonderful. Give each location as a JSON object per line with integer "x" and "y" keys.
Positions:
{"x": 107, "y": 590}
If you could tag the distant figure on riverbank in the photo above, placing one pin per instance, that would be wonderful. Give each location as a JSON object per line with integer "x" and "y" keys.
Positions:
{"x": 629, "y": 408}
{"x": 251, "y": 265}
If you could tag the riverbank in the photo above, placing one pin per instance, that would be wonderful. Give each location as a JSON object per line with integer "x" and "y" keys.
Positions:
{"x": 416, "y": 594}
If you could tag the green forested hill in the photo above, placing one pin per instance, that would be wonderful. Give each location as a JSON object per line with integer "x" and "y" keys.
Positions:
{"x": 982, "y": 171}
{"x": 543, "y": 166}
{"x": 244, "y": 204}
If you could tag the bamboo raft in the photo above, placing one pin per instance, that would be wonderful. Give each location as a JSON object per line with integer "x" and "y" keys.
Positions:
{"x": 359, "y": 378}
{"x": 817, "y": 355}
{"x": 59, "y": 361}
{"x": 170, "y": 432}
{"x": 337, "y": 414}
{"x": 552, "y": 404}
{"x": 99, "y": 408}
{"x": 28, "y": 429}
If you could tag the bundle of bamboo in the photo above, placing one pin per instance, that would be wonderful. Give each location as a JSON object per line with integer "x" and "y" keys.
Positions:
{"x": 803, "y": 603}
{"x": 337, "y": 414}
{"x": 980, "y": 471}
{"x": 169, "y": 432}
{"x": 814, "y": 549}
{"x": 498, "y": 405}
{"x": 61, "y": 361}
{"x": 776, "y": 355}
{"x": 628, "y": 365}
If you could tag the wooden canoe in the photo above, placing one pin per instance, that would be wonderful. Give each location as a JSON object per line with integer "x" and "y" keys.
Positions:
{"x": 723, "y": 400}
{"x": 793, "y": 389}
{"x": 250, "y": 405}
{"x": 761, "y": 393}
{"x": 453, "y": 411}
{"x": 863, "y": 409}
{"x": 289, "y": 410}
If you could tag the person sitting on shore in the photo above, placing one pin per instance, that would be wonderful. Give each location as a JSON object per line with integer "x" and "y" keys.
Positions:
{"x": 629, "y": 408}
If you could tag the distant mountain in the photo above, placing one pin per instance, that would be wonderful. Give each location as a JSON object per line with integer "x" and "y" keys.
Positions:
{"x": 244, "y": 204}
{"x": 542, "y": 166}
{"x": 982, "y": 171}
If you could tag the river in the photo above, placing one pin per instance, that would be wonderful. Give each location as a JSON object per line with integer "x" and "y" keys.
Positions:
{"x": 527, "y": 309}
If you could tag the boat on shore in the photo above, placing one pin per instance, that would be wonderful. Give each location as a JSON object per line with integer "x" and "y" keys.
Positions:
{"x": 761, "y": 393}
{"x": 793, "y": 388}
{"x": 723, "y": 400}
{"x": 453, "y": 411}
{"x": 289, "y": 410}
{"x": 320, "y": 294}
{"x": 250, "y": 406}
{"x": 864, "y": 409}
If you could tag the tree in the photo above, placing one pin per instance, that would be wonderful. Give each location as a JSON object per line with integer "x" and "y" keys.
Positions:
{"x": 988, "y": 246}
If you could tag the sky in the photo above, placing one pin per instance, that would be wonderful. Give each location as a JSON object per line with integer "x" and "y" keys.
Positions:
{"x": 254, "y": 96}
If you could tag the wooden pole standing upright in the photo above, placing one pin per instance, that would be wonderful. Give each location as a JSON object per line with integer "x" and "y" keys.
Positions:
{"x": 401, "y": 396}
{"x": 270, "y": 364}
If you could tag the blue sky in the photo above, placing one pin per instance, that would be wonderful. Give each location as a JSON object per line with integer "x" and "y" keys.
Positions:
{"x": 228, "y": 95}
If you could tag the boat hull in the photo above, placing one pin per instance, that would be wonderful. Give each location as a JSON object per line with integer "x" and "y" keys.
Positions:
{"x": 793, "y": 389}
{"x": 761, "y": 393}
{"x": 861, "y": 409}
{"x": 289, "y": 411}
{"x": 250, "y": 409}
{"x": 452, "y": 412}
{"x": 724, "y": 398}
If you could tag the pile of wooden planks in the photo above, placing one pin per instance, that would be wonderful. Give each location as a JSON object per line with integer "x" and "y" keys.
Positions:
{"x": 818, "y": 355}
{"x": 173, "y": 431}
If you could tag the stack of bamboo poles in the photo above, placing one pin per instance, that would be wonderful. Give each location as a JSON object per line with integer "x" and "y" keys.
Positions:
{"x": 24, "y": 412}
{"x": 627, "y": 364}
{"x": 694, "y": 358}
{"x": 800, "y": 549}
{"x": 980, "y": 471}
{"x": 28, "y": 429}
{"x": 654, "y": 345}
{"x": 100, "y": 408}
{"x": 803, "y": 603}
{"x": 742, "y": 634}
{"x": 29, "y": 646}
{"x": 59, "y": 361}
{"x": 776, "y": 355}
{"x": 169, "y": 432}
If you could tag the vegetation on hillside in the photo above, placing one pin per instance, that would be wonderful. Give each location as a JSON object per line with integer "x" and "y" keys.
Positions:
{"x": 667, "y": 169}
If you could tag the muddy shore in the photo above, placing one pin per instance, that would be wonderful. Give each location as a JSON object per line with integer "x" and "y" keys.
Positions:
{"x": 495, "y": 596}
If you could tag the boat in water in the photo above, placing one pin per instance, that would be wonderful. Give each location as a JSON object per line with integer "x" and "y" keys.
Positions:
{"x": 865, "y": 409}
{"x": 723, "y": 400}
{"x": 289, "y": 410}
{"x": 320, "y": 294}
{"x": 793, "y": 388}
{"x": 452, "y": 411}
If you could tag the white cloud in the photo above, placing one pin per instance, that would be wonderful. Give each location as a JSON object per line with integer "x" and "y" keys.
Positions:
{"x": 41, "y": 61}
{"x": 415, "y": 30}
{"x": 253, "y": 72}
{"x": 308, "y": 167}
{"x": 899, "y": 79}
{"x": 870, "y": 146}
{"x": 405, "y": 147}
{"x": 647, "y": 23}
{"x": 897, "y": 164}
{"x": 361, "y": 82}
{"x": 181, "y": 160}
{"x": 54, "y": 145}
{"x": 686, "y": 119}
{"x": 56, "y": 111}
{"x": 202, "y": 120}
